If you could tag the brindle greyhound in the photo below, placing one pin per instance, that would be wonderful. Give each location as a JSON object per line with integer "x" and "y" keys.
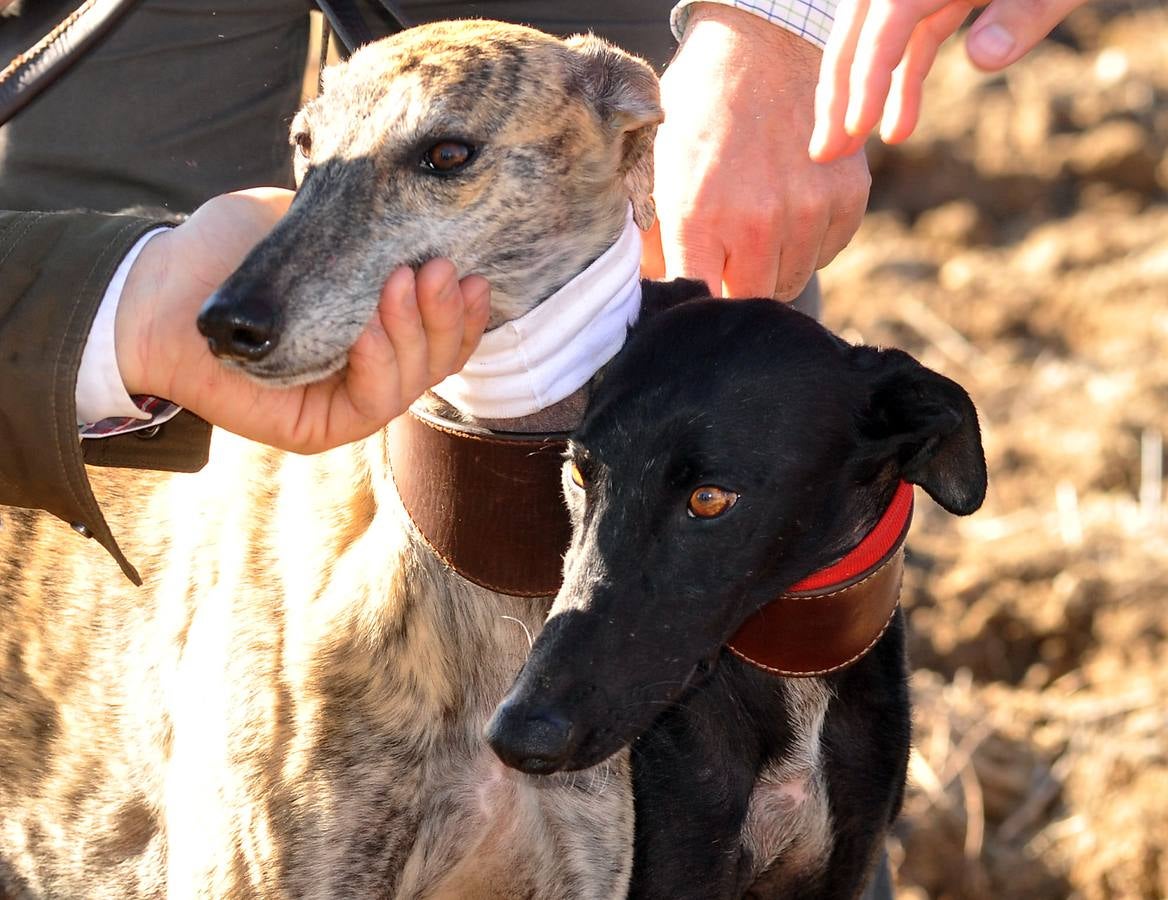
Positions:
{"x": 293, "y": 703}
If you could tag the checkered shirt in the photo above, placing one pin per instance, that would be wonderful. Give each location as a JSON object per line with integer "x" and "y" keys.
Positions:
{"x": 810, "y": 19}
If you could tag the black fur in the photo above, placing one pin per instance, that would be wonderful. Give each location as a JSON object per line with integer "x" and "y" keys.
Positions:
{"x": 813, "y": 435}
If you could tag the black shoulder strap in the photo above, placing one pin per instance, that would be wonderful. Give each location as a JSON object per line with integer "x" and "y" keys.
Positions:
{"x": 352, "y": 27}
{"x": 44, "y": 62}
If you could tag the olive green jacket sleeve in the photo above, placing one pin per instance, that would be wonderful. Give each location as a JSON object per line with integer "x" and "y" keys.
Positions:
{"x": 54, "y": 269}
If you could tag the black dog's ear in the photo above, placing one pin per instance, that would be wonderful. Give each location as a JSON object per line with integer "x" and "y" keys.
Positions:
{"x": 658, "y": 296}
{"x": 926, "y": 426}
{"x": 625, "y": 93}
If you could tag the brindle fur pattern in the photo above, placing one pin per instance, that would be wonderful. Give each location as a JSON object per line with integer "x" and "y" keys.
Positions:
{"x": 293, "y": 703}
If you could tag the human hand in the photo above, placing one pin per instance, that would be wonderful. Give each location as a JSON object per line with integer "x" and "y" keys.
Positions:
{"x": 424, "y": 329}
{"x": 740, "y": 204}
{"x": 880, "y": 51}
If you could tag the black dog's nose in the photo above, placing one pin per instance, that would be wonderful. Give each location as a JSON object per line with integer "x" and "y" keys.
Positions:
{"x": 533, "y": 742}
{"x": 240, "y": 325}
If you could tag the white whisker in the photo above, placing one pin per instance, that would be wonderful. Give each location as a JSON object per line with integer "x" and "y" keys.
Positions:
{"x": 526, "y": 630}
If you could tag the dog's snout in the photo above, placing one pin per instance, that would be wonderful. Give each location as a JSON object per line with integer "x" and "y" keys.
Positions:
{"x": 537, "y": 742}
{"x": 240, "y": 325}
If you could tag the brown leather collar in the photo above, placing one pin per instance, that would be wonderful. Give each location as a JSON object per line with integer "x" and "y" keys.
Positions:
{"x": 490, "y": 505}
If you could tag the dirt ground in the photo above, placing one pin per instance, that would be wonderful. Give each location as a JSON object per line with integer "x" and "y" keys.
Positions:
{"x": 1019, "y": 244}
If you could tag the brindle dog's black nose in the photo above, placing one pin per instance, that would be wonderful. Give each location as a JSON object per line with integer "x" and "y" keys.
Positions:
{"x": 240, "y": 326}
{"x": 535, "y": 742}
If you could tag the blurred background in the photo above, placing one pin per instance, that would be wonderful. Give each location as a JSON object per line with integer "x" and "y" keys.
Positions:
{"x": 1018, "y": 243}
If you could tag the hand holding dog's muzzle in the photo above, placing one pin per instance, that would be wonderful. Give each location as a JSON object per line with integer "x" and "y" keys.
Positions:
{"x": 424, "y": 328}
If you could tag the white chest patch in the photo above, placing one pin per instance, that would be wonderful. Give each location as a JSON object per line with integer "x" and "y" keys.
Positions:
{"x": 789, "y": 818}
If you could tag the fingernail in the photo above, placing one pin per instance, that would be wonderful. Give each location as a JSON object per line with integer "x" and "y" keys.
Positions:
{"x": 408, "y": 277}
{"x": 852, "y": 119}
{"x": 992, "y": 44}
{"x": 818, "y": 142}
{"x": 815, "y": 145}
{"x": 477, "y": 296}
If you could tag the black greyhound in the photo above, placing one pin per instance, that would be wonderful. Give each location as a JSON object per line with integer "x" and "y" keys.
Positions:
{"x": 728, "y": 451}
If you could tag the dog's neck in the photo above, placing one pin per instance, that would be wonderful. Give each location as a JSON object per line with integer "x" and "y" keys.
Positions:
{"x": 531, "y": 373}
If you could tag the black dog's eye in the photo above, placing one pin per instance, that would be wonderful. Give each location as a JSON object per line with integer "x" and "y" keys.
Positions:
{"x": 577, "y": 476}
{"x": 447, "y": 156}
{"x": 709, "y": 501}
{"x": 303, "y": 142}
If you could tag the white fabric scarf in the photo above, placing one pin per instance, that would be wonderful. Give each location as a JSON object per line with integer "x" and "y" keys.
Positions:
{"x": 529, "y": 363}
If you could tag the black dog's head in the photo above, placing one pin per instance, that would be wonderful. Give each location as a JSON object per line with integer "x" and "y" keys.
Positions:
{"x": 730, "y": 449}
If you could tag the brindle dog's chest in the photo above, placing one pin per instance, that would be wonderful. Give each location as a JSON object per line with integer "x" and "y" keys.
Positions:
{"x": 429, "y": 811}
{"x": 291, "y": 706}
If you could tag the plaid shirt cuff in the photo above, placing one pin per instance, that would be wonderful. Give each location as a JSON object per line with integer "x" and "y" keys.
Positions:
{"x": 155, "y": 409}
{"x": 810, "y": 19}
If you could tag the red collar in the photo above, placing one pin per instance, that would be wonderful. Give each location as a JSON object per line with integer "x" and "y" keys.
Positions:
{"x": 831, "y": 618}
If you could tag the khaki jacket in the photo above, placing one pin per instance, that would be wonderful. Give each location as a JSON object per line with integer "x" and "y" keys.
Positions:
{"x": 54, "y": 269}
{"x": 179, "y": 102}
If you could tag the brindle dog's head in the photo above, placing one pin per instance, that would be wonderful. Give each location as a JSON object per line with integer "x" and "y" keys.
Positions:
{"x": 511, "y": 152}
{"x": 729, "y": 450}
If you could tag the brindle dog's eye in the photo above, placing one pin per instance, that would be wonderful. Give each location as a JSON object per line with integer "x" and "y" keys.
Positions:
{"x": 577, "y": 476}
{"x": 303, "y": 142}
{"x": 447, "y": 156}
{"x": 709, "y": 501}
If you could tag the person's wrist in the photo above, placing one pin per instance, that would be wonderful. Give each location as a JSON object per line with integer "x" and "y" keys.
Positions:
{"x": 737, "y": 54}
{"x": 132, "y": 323}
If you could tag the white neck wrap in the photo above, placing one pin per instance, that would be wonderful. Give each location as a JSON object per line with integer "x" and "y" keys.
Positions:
{"x": 529, "y": 363}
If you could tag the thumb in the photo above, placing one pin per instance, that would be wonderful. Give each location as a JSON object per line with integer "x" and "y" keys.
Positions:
{"x": 1009, "y": 29}
{"x": 652, "y": 259}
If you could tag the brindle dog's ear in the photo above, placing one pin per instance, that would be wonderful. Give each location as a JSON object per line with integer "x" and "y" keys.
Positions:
{"x": 926, "y": 426}
{"x": 625, "y": 92}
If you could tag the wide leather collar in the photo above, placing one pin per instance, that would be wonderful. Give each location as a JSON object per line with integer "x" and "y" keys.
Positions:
{"x": 490, "y": 505}
{"x": 831, "y": 618}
